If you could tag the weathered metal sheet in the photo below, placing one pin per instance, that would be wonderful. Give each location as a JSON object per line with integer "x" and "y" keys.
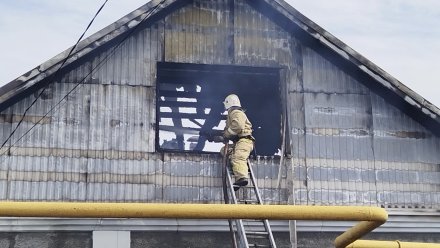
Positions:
{"x": 323, "y": 76}
{"x": 398, "y": 137}
{"x": 93, "y": 117}
{"x": 198, "y": 33}
{"x": 65, "y": 126}
{"x": 258, "y": 41}
{"x": 348, "y": 145}
{"x": 177, "y": 178}
{"x": 6, "y": 120}
{"x": 3, "y": 191}
{"x": 358, "y": 148}
{"x": 192, "y": 178}
{"x": 121, "y": 118}
{"x": 131, "y": 62}
{"x": 338, "y": 126}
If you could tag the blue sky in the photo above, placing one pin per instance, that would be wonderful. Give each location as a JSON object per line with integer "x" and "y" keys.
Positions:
{"x": 400, "y": 36}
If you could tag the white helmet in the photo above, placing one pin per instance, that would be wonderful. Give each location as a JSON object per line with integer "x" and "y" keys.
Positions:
{"x": 232, "y": 101}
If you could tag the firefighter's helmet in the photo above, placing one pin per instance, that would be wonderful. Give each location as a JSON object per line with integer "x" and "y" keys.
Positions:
{"x": 232, "y": 101}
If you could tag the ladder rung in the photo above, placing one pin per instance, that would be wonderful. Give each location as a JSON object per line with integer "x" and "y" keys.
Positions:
{"x": 248, "y": 200}
{"x": 251, "y": 236}
{"x": 253, "y": 220}
{"x": 257, "y": 245}
{"x": 257, "y": 233}
{"x": 259, "y": 228}
{"x": 257, "y": 237}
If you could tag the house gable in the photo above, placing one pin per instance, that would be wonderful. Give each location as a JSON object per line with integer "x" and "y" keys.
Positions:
{"x": 350, "y": 124}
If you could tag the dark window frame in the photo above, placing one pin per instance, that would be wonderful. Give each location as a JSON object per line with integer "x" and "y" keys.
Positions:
{"x": 248, "y": 82}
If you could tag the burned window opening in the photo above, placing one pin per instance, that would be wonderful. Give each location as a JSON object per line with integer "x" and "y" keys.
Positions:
{"x": 190, "y": 103}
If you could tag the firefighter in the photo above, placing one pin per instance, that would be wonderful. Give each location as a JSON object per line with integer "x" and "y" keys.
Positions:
{"x": 239, "y": 130}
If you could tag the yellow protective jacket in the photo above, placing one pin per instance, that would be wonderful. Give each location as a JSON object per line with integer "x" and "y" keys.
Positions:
{"x": 237, "y": 124}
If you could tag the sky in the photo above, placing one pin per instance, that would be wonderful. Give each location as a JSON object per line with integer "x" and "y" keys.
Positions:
{"x": 400, "y": 36}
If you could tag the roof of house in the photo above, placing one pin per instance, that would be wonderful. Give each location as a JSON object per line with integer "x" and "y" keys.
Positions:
{"x": 25, "y": 84}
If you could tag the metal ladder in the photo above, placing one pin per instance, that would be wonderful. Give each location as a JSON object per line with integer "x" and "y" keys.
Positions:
{"x": 246, "y": 233}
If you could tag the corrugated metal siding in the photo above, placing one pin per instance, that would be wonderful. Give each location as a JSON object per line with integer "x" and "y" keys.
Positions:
{"x": 349, "y": 146}
{"x": 322, "y": 76}
{"x": 124, "y": 180}
{"x": 201, "y": 33}
{"x": 332, "y": 139}
{"x": 354, "y": 148}
{"x": 46, "y": 178}
{"x": 121, "y": 118}
{"x": 198, "y": 33}
{"x": 266, "y": 171}
{"x": 407, "y": 155}
{"x": 398, "y": 137}
{"x": 133, "y": 62}
{"x": 258, "y": 41}
{"x": 174, "y": 179}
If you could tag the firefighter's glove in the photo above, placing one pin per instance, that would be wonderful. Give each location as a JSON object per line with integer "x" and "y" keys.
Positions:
{"x": 217, "y": 139}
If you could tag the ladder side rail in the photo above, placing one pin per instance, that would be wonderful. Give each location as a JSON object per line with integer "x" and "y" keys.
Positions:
{"x": 242, "y": 239}
{"x": 254, "y": 182}
{"x": 226, "y": 196}
{"x": 260, "y": 201}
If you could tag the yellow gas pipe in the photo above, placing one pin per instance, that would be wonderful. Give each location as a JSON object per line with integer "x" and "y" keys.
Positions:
{"x": 370, "y": 217}
{"x": 390, "y": 244}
